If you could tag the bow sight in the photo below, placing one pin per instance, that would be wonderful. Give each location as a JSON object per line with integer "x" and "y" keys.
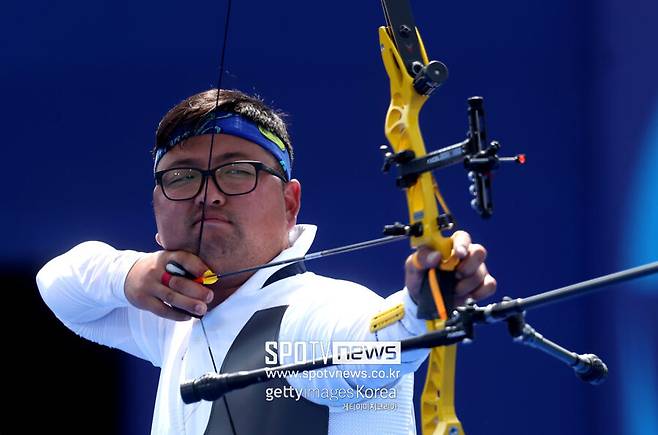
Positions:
{"x": 479, "y": 160}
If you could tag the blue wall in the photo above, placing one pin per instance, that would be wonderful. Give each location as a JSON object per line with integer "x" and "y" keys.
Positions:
{"x": 572, "y": 84}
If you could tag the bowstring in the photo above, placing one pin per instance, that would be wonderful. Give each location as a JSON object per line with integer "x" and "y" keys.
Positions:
{"x": 207, "y": 183}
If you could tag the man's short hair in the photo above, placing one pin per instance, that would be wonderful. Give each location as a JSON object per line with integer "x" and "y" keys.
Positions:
{"x": 194, "y": 108}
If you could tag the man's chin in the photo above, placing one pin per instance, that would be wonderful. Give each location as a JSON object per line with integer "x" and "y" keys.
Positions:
{"x": 219, "y": 259}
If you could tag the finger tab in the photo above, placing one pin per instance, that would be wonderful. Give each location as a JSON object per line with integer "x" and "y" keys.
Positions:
{"x": 165, "y": 278}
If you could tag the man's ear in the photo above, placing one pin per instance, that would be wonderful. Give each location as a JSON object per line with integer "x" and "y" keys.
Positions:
{"x": 292, "y": 195}
{"x": 157, "y": 240}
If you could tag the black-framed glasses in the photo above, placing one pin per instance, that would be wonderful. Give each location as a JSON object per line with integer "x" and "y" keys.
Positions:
{"x": 234, "y": 178}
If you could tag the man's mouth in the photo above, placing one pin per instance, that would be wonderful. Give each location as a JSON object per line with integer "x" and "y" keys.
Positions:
{"x": 211, "y": 219}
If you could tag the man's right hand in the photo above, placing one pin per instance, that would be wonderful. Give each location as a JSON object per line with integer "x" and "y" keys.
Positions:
{"x": 144, "y": 288}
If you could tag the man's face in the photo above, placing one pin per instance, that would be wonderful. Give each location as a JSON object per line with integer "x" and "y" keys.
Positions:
{"x": 238, "y": 231}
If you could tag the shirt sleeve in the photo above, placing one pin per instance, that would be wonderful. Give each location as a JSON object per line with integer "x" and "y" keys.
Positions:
{"x": 85, "y": 290}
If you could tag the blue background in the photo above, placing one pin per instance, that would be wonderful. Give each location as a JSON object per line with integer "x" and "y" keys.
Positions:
{"x": 572, "y": 84}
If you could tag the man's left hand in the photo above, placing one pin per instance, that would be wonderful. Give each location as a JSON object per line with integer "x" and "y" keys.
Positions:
{"x": 473, "y": 278}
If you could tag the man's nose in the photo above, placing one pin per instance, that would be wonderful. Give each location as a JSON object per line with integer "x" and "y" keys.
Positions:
{"x": 212, "y": 195}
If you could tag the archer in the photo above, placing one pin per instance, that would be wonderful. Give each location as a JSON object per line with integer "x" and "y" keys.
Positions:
{"x": 225, "y": 200}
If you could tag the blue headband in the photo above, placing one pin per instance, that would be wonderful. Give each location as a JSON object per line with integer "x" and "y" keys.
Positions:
{"x": 217, "y": 122}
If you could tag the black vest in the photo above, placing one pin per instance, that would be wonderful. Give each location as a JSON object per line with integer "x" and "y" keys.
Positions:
{"x": 248, "y": 410}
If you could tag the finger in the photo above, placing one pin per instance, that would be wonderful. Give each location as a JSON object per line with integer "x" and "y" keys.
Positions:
{"x": 477, "y": 254}
{"x": 416, "y": 266}
{"x": 159, "y": 308}
{"x": 190, "y": 289}
{"x": 424, "y": 258}
{"x": 413, "y": 276}
{"x": 487, "y": 289}
{"x": 472, "y": 282}
{"x": 190, "y": 262}
{"x": 165, "y": 278}
{"x": 461, "y": 240}
{"x": 414, "y": 272}
{"x": 171, "y": 297}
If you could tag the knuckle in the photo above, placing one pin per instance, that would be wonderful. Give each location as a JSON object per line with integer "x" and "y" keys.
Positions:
{"x": 169, "y": 296}
{"x": 147, "y": 264}
{"x": 479, "y": 251}
{"x": 462, "y": 236}
{"x": 467, "y": 269}
{"x": 409, "y": 264}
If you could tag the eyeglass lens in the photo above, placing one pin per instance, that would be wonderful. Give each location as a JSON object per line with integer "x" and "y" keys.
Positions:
{"x": 233, "y": 179}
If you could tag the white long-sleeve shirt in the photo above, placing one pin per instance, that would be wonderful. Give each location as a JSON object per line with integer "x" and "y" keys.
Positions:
{"x": 85, "y": 289}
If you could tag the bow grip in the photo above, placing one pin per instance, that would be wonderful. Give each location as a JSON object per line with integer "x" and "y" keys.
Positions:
{"x": 437, "y": 303}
